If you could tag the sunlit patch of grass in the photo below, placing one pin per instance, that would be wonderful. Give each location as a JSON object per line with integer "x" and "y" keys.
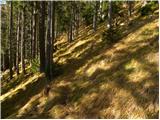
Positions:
{"x": 140, "y": 34}
{"x": 6, "y": 74}
{"x": 138, "y": 74}
{"x": 100, "y": 65}
{"x": 79, "y": 46}
{"x": 75, "y": 54}
{"x": 25, "y": 90}
{"x": 8, "y": 84}
{"x": 82, "y": 70}
{"x": 58, "y": 112}
{"x": 29, "y": 106}
{"x": 63, "y": 83}
{"x": 21, "y": 86}
{"x": 152, "y": 58}
{"x": 61, "y": 39}
{"x": 122, "y": 108}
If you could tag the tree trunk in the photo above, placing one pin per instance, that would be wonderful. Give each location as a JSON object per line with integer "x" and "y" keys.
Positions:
{"x": 6, "y": 59}
{"x": 77, "y": 19}
{"x": 42, "y": 36}
{"x": 34, "y": 31}
{"x": 37, "y": 34}
{"x": 71, "y": 31}
{"x": 14, "y": 60}
{"x": 3, "y": 63}
{"x": 74, "y": 21}
{"x": 68, "y": 34}
{"x": 110, "y": 14}
{"x": 17, "y": 50}
{"x": 95, "y": 16}
{"x": 79, "y": 10}
{"x": 23, "y": 40}
{"x": 71, "y": 26}
{"x": 129, "y": 8}
{"x": 55, "y": 26}
{"x": 31, "y": 33}
{"x": 31, "y": 41}
{"x": 48, "y": 56}
{"x": 101, "y": 10}
{"x": 52, "y": 37}
{"x": 10, "y": 41}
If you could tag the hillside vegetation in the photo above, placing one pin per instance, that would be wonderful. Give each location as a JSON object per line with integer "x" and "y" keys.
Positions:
{"x": 97, "y": 80}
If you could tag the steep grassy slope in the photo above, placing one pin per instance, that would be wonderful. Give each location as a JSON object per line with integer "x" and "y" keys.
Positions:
{"x": 98, "y": 80}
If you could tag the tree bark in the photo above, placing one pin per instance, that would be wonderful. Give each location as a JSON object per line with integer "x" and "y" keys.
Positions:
{"x": 37, "y": 34}
{"x": 52, "y": 36}
{"x": 23, "y": 40}
{"x": 31, "y": 33}
{"x": 34, "y": 31}
{"x": 68, "y": 34}
{"x": 17, "y": 50}
{"x": 101, "y": 10}
{"x": 42, "y": 36}
{"x": 71, "y": 26}
{"x": 77, "y": 19}
{"x": 10, "y": 41}
{"x": 50, "y": 40}
{"x": 110, "y": 14}
{"x": 129, "y": 8}
{"x": 6, "y": 59}
{"x": 3, "y": 63}
{"x": 95, "y": 16}
{"x": 48, "y": 56}
{"x": 71, "y": 31}
{"x": 31, "y": 41}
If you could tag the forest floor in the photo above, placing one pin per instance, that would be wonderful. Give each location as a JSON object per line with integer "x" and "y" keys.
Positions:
{"x": 97, "y": 81}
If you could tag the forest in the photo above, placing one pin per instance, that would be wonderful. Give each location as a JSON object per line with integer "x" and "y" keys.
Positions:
{"x": 79, "y": 59}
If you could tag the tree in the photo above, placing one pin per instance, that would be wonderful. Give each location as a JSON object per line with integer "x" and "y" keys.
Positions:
{"x": 10, "y": 41}
{"x": 5, "y": 36}
{"x": 50, "y": 32}
{"x": 18, "y": 40}
{"x": 23, "y": 38}
{"x": 101, "y": 9}
{"x": 71, "y": 23}
{"x": 110, "y": 14}
{"x": 31, "y": 33}
{"x": 77, "y": 17}
{"x": 53, "y": 4}
{"x": 42, "y": 36}
{"x": 129, "y": 8}
{"x": 34, "y": 31}
{"x": 37, "y": 32}
{"x": 50, "y": 40}
{"x": 95, "y": 16}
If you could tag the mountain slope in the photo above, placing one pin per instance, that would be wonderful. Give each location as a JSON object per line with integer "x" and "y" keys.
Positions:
{"x": 101, "y": 80}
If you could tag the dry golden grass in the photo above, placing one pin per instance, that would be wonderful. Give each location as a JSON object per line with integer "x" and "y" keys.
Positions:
{"x": 120, "y": 81}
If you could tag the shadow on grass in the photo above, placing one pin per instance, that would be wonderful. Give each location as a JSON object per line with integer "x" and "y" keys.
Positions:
{"x": 120, "y": 81}
{"x": 144, "y": 96}
{"x": 102, "y": 46}
{"x": 14, "y": 82}
{"x": 13, "y": 104}
{"x": 117, "y": 75}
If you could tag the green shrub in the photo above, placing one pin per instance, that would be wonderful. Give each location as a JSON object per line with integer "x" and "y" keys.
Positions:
{"x": 87, "y": 14}
{"x": 111, "y": 36}
{"x": 149, "y": 8}
{"x": 35, "y": 65}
